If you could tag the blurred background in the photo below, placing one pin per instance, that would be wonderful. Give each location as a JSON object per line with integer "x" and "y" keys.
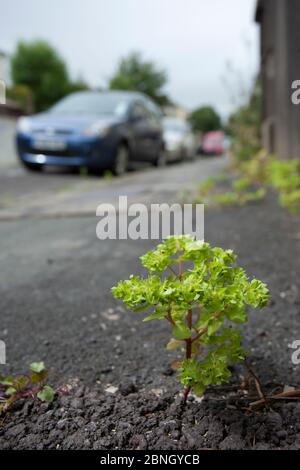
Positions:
{"x": 198, "y": 61}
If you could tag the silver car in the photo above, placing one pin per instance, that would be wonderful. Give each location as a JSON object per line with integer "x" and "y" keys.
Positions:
{"x": 179, "y": 140}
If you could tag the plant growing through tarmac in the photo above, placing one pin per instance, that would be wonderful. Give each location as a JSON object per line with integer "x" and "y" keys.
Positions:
{"x": 202, "y": 293}
{"x": 25, "y": 386}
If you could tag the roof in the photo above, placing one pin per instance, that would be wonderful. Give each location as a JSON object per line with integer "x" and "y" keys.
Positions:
{"x": 118, "y": 93}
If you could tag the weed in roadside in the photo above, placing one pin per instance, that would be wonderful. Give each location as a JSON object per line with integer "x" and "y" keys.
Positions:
{"x": 108, "y": 176}
{"x": 242, "y": 193}
{"x": 25, "y": 386}
{"x": 201, "y": 293}
{"x": 83, "y": 172}
{"x": 257, "y": 175}
{"x": 239, "y": 197}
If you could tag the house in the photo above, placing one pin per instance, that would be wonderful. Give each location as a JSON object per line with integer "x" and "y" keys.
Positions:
{"x": 176, "y": 112}
{"x": 279, "y": 22}
{"x": 4, "y": 67}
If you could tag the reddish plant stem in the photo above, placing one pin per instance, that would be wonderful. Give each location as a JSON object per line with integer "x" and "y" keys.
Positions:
{"x": 204, "y": 330}
{"x": 173, "y": 271}
{"x": 169, "y": 317}
{"x": 188, "y": 351}
{"x": 188, "y": 341}
{"x": 186, "y": 392}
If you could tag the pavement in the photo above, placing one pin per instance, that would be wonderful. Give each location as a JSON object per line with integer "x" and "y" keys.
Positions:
{"x": 7, "y": 147}
{"x": 56, "y": 275}
{"x": 56, "y": 303}
{"x": 56, "y": 193}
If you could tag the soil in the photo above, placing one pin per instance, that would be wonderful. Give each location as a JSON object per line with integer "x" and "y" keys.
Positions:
{"x": 129, "y": 400}
{"x": 89, "y": 419}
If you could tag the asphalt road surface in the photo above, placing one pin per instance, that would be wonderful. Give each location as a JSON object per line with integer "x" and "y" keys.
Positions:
{"x": 56, "y": 276}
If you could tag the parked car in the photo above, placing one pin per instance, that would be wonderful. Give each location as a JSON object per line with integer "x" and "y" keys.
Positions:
{"x": 98, "y": 130}
{"x": 179, "y": 139}
{"x": 213, "y": 143}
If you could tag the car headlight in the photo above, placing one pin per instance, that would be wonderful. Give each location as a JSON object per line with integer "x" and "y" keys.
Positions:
{"x": 24, "y": 125}
{"x": 96, "y": 130}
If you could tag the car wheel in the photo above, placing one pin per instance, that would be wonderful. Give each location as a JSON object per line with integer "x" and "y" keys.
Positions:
{"x": 161, "y": 160}
{"x": 120, "y": 164}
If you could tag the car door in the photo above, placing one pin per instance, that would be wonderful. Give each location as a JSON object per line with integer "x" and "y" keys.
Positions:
{"x": 155, "y": 131}
{"x": 141, "y": 131}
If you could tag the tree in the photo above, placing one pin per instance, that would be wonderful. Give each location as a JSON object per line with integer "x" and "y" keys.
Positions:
{"x": 134, "y": 74}
{"x": 38, "y": 66}
{"x": 244, "y": 125}
{"x": 205, "y": 119}
{"x": 77, "y": 85}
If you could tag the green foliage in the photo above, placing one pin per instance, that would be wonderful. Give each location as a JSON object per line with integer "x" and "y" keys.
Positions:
{"x": 77, "y": 85}
{"x": 243, "y": 191}
{"x": 13, "y": 388}
{"x": 46, "y": 394}
{"x": 37, "y": 66}
{"x": 207, "y": 186}
{"x": 291, "y": 201}
{"x": 255, "y": 164}
{"x": 22, "y": 95}
{"x": 201, "y": 292}
{"x": 256, "y": 170}
{"x": 240, "y": 197}
{"x": 135, "y": 74}
{"x": 241, "y": 184}
{"x": 228, "y": 198}
{"x": 245, "y": 126}
{"x": 282, "y": 175}
{"x": 205, "y": 119}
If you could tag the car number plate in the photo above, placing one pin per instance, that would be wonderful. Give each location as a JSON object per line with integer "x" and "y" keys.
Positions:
{"x": 42, "y": 144}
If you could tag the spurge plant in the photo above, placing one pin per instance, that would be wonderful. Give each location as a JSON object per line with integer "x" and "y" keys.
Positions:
{"x": 202, "y": 294}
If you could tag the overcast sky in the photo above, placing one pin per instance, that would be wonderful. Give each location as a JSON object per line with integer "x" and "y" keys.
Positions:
{"x": 192, "y": 39}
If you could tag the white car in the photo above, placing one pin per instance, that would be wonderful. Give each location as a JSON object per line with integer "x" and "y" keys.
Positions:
{"x": 179, "y": 139}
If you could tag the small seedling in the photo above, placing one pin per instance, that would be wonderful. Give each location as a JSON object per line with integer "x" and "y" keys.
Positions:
{"x": 291, "y": 201}
{"x": 13, "y": 388}
{"x": 201, "y": 293}
{"x": 240, "y": 198}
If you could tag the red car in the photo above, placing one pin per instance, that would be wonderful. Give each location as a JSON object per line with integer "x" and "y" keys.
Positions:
{"x": 213, "y": 143}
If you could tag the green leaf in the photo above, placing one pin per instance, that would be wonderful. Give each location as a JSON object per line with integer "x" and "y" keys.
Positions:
{"x": 141, "y": 309}
{"x": 9, "y": 380}
{"x": 37, "y": 367}
{"x": 199, "y": 389}
{"x": 215, "y": 325}
{"x": 158, "y": 314}
{"x": 10, "y": 391}
{"x": 21, "y": 382}
{"x": 181, "y": 331}
{"x": 36, "y": 378}
{"x": 174, "y": 343}
{"x": 46, "y": 394}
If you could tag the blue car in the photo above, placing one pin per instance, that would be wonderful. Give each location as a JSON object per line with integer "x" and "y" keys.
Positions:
{"x": 97, "y": 130}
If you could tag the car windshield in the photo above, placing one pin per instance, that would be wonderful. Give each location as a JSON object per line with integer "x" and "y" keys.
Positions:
{"x": 91, "y": 104}
{"x": 173, "y": 125}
